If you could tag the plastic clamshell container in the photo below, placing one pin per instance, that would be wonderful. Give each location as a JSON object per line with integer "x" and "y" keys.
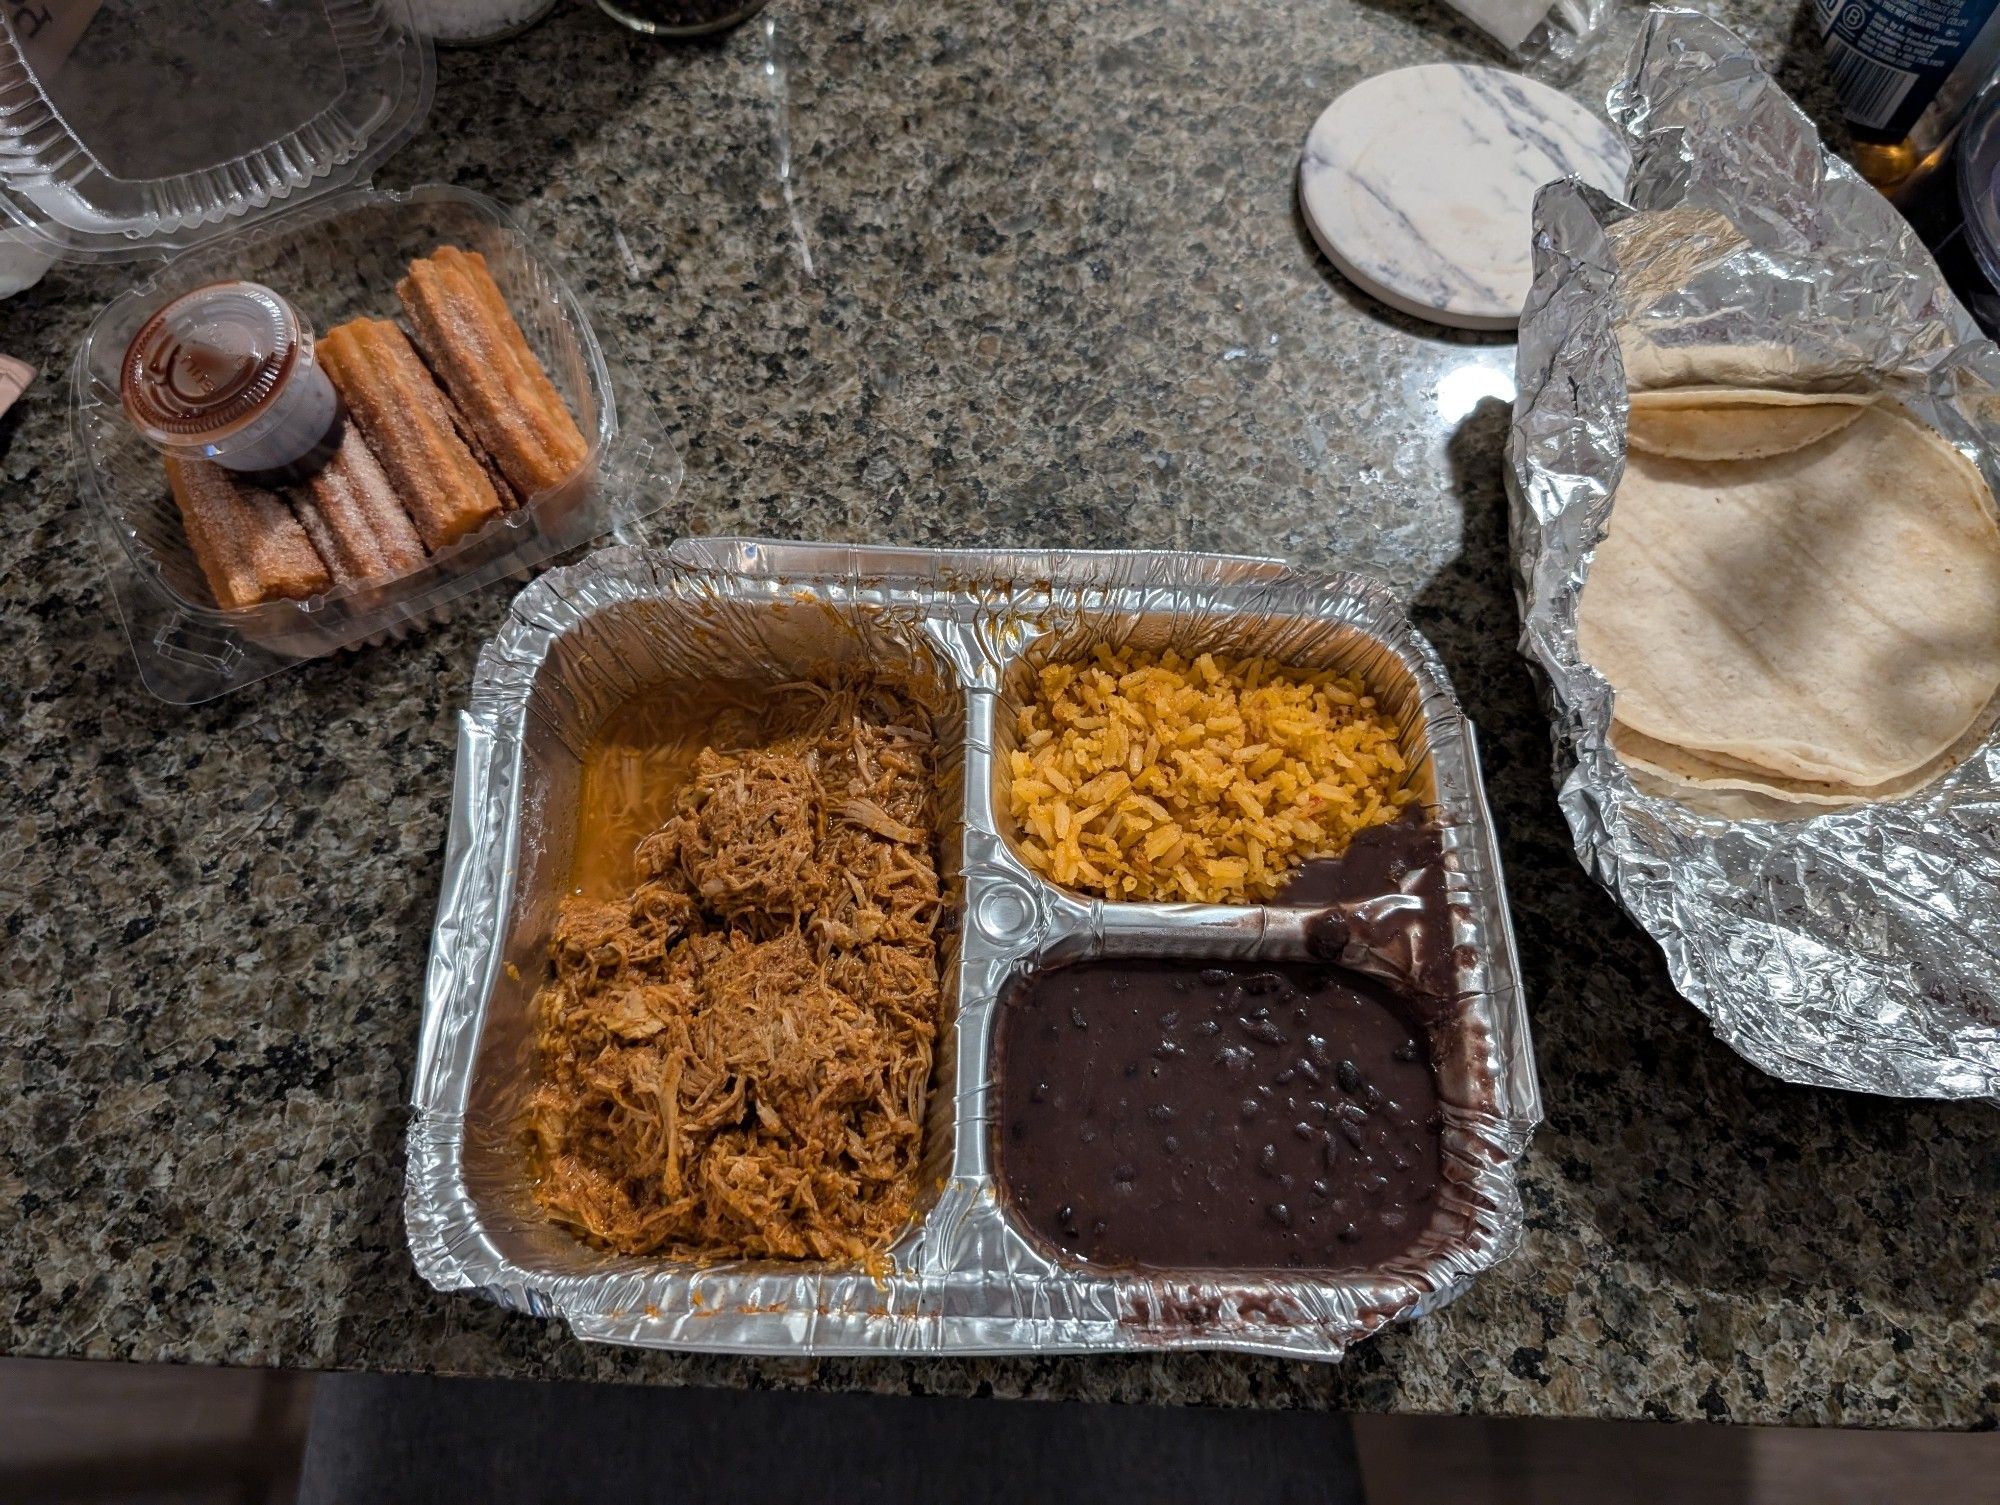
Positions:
{"x": 138, "y": 129}
{"x": 229, "y": 137}
{"x": 341, "y": 257}
{"x": 966, "y": 1276}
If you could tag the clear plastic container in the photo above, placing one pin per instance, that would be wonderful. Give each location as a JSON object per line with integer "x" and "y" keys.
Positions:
{"x": 238, "y": 203}
{"x": 1953, "y": 203}
{"x": 137, "y": 128}
{"x": 349, "y": 251}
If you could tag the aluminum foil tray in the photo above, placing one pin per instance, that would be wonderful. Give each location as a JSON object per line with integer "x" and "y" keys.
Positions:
{"x": 964, "y": 1277}
{"x": 1857, "y": 948}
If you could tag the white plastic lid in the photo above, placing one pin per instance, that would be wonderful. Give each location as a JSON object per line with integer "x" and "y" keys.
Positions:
{"x": 133, "y": 128}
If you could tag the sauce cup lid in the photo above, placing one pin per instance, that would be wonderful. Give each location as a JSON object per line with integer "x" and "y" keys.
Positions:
{"x": 209, "y": 362}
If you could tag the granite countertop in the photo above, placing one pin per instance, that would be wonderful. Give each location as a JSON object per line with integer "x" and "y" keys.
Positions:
{"x": 1036, "y": 277}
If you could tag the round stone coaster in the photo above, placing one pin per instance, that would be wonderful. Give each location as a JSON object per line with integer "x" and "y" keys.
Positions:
{"x": 1419, "y": 185}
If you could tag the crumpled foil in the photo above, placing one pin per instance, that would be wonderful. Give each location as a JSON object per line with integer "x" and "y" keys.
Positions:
{"x": 1555, "y": 33}
{"x": 1859, "y": 948}
{"x": 964, "y": 1278}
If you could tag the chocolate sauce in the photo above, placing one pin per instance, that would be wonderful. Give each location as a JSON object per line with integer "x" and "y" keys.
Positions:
{"x": 225, "y": 373}
{"x": 309, "y": 464}
{"x": 1233, "y": 1117}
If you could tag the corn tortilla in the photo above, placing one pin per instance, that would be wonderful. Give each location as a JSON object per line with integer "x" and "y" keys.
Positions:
{"x": 1830, "y": 614}
{"x": 1690, "y": 773}
{"x": 1729, "y": 423}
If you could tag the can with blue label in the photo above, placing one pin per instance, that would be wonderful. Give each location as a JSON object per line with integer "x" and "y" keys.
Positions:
{"x": 1905, "y": 71}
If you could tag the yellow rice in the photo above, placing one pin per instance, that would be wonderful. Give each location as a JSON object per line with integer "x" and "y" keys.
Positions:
{"x": 1156, "y": 777}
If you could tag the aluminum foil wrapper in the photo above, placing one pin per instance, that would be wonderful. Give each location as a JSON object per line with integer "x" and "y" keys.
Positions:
{"x": 964, "y": 1278}
{"x": 1858, "y": 948}
{"x": 1558, "y": 34}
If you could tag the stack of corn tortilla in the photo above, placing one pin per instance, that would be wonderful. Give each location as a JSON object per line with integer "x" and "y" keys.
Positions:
{"x": 1798, "y": 597}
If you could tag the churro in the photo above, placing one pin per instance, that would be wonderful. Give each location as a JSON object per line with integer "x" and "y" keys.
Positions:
{"x": 351, "y": 514}
{"x": 477, "y": 351}
{"x": 246, "y": 540}
{"x": 425, "y": 448}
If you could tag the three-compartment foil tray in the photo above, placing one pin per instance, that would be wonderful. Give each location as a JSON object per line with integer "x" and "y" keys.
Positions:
{"x": 964, "y": 1277}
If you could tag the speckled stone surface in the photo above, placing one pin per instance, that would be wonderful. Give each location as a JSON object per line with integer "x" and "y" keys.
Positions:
{"x": 1057, "y": 293}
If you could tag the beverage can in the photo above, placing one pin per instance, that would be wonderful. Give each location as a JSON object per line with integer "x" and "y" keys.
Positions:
{"x": 1890, "y": 59}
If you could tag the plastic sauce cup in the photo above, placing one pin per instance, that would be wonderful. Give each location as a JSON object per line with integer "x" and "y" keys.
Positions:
{"x": 226, "y": 373}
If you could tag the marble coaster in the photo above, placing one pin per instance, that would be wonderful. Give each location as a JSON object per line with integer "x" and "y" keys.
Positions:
{"x": 1419, "y": 185}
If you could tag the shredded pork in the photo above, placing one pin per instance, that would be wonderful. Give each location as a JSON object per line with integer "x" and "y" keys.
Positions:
{"x": 736, "y": 1058}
